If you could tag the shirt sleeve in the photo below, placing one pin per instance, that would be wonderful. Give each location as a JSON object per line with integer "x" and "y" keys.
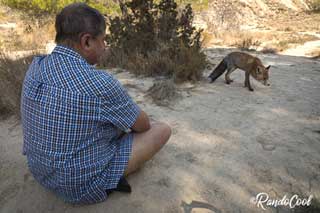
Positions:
{"x": 118, "y": 107}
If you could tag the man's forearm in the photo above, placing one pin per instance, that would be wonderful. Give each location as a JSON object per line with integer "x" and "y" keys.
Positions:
{"x": 142, "y": 124}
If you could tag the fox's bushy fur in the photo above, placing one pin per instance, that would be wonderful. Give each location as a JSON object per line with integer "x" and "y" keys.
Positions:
{"x": 246, "y": 62}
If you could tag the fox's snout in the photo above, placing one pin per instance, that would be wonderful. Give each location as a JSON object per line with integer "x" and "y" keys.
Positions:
{"x": 266, "y": 83}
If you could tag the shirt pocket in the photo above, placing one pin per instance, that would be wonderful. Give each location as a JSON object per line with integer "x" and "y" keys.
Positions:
{"x": 31, "y": 89}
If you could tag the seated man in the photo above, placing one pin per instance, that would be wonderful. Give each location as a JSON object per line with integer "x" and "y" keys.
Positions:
{"x": 82, "y": 131}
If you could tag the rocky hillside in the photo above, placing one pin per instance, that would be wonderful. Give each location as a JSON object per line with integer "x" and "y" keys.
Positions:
{"x": 248, "y": 13}
{"x": 274, "y": 5}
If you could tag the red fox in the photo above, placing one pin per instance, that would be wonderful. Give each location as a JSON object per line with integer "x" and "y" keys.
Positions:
{"x": 248, "y": 63}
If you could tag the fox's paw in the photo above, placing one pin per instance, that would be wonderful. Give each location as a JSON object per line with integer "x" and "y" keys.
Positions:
{"x": 251, "y": 90}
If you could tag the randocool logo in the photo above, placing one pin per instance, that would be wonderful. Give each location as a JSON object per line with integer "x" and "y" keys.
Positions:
{"x": 262, "y": 200}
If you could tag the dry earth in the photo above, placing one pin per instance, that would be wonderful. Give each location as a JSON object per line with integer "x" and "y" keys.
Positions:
{"x": 228, "y": 145}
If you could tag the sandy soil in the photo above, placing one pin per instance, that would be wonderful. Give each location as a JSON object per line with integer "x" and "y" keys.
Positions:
{"x": 228, "y": 145}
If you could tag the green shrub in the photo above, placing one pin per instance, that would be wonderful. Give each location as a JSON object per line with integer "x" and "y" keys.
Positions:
{"x": 53, "y": 6}
{"x": 153, "y": 39}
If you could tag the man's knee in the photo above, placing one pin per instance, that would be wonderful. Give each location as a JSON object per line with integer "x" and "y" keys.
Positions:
{"x": 164, "y": 131}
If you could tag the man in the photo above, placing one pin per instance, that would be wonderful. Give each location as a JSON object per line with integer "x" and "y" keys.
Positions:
{"x": 72, "y": 115}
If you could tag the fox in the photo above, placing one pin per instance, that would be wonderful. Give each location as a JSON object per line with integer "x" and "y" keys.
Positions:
{"x": 246, "y": 62}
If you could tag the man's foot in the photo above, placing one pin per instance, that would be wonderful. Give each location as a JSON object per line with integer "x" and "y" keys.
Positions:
{"x": 123, "y": 186}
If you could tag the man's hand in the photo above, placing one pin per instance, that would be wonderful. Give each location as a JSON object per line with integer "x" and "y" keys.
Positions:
{"x": 142, "y": 123}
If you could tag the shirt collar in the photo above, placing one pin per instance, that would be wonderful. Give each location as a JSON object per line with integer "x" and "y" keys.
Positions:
{"x": 67, "y": 51}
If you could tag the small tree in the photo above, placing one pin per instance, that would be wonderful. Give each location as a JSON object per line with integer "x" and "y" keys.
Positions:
{"x": 187, "y": 32}
{"x": 153, "y": 39}
{"x": 167, "y": 24}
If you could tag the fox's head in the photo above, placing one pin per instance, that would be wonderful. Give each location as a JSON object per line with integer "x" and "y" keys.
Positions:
{"x": 262, "y": 74}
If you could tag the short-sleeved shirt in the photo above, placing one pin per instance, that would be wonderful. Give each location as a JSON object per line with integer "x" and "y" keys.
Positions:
{"x": 72, "y": 114}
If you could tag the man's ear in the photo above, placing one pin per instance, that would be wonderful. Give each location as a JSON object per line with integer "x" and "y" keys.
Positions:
{"x": 85, "y": 41}
{"x": 268, "y": 67}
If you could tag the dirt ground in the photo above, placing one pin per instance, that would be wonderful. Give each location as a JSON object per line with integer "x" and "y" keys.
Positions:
{"x": 228, "y": 145}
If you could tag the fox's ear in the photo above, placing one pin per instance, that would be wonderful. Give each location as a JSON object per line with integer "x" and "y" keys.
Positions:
{"x": 258, "y": 70}
{"x": 268, "y": 67}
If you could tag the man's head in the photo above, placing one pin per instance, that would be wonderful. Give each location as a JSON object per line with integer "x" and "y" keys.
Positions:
{"x": 82, "y": 28}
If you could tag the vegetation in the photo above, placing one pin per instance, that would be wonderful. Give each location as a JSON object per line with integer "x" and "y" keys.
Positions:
{"x": 110, "y": 7}
{"x": 53, "y": 6}
{"x": 163, "y": 92}
{"x": 153, "y": 39}
{"x": 12, "y": 73}
{"x": 247, "y": 44}
{"x": 315, "y": 5}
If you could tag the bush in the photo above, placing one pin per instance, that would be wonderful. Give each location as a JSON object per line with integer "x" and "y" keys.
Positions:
{"x": 12, "y": 73}
{"x": 247, "y": 43}
{"x": 163, "y": 92}
{"x": 153, "y": 39}
{"x": 268, "y": 50}
{"x": 53, "y": 6}
{"x": 315, "y": 5}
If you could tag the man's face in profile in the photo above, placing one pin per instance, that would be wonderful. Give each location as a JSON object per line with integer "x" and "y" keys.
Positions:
{"x": 96, "y": 47}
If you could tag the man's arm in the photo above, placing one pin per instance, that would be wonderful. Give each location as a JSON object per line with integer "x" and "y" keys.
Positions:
{"x": 142, "y": 123}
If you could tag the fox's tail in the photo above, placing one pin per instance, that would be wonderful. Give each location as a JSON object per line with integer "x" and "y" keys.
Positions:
{"x": 218, "y": 71}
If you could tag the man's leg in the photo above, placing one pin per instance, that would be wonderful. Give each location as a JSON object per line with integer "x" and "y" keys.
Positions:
{"x": 147, "y": 144}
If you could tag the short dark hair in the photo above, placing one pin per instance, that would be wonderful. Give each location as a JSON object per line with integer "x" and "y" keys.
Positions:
{"x": 78, "y": 18}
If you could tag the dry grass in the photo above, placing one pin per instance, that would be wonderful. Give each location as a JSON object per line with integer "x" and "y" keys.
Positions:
{"x": 277, "y": 41}
{"x": 207, "y": 39}
{"x": 315, "y": 54}
{"x": 278, "y": 31}
{"x": 247, "y": 43}
{"x": 269, "y": 51}
{"x": 163, "y": 92}
{"x": 288, "y": 29}
{"x": 299, "y": 22}
{"x": 2, "y": 16}
{"x": 293, "y": 41}
{"x": 30, "y": 34}
{"x": 186, "y": 65}
{"x": 12, "y": 73}
{"x": 315, "y": 6}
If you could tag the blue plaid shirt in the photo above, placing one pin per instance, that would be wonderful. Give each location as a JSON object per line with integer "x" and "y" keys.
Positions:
{"x": 72, "y": 114}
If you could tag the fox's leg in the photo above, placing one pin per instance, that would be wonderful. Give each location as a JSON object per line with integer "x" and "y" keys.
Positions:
{"x": 227, "y": 76}
{"x": 247, "y": 81}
